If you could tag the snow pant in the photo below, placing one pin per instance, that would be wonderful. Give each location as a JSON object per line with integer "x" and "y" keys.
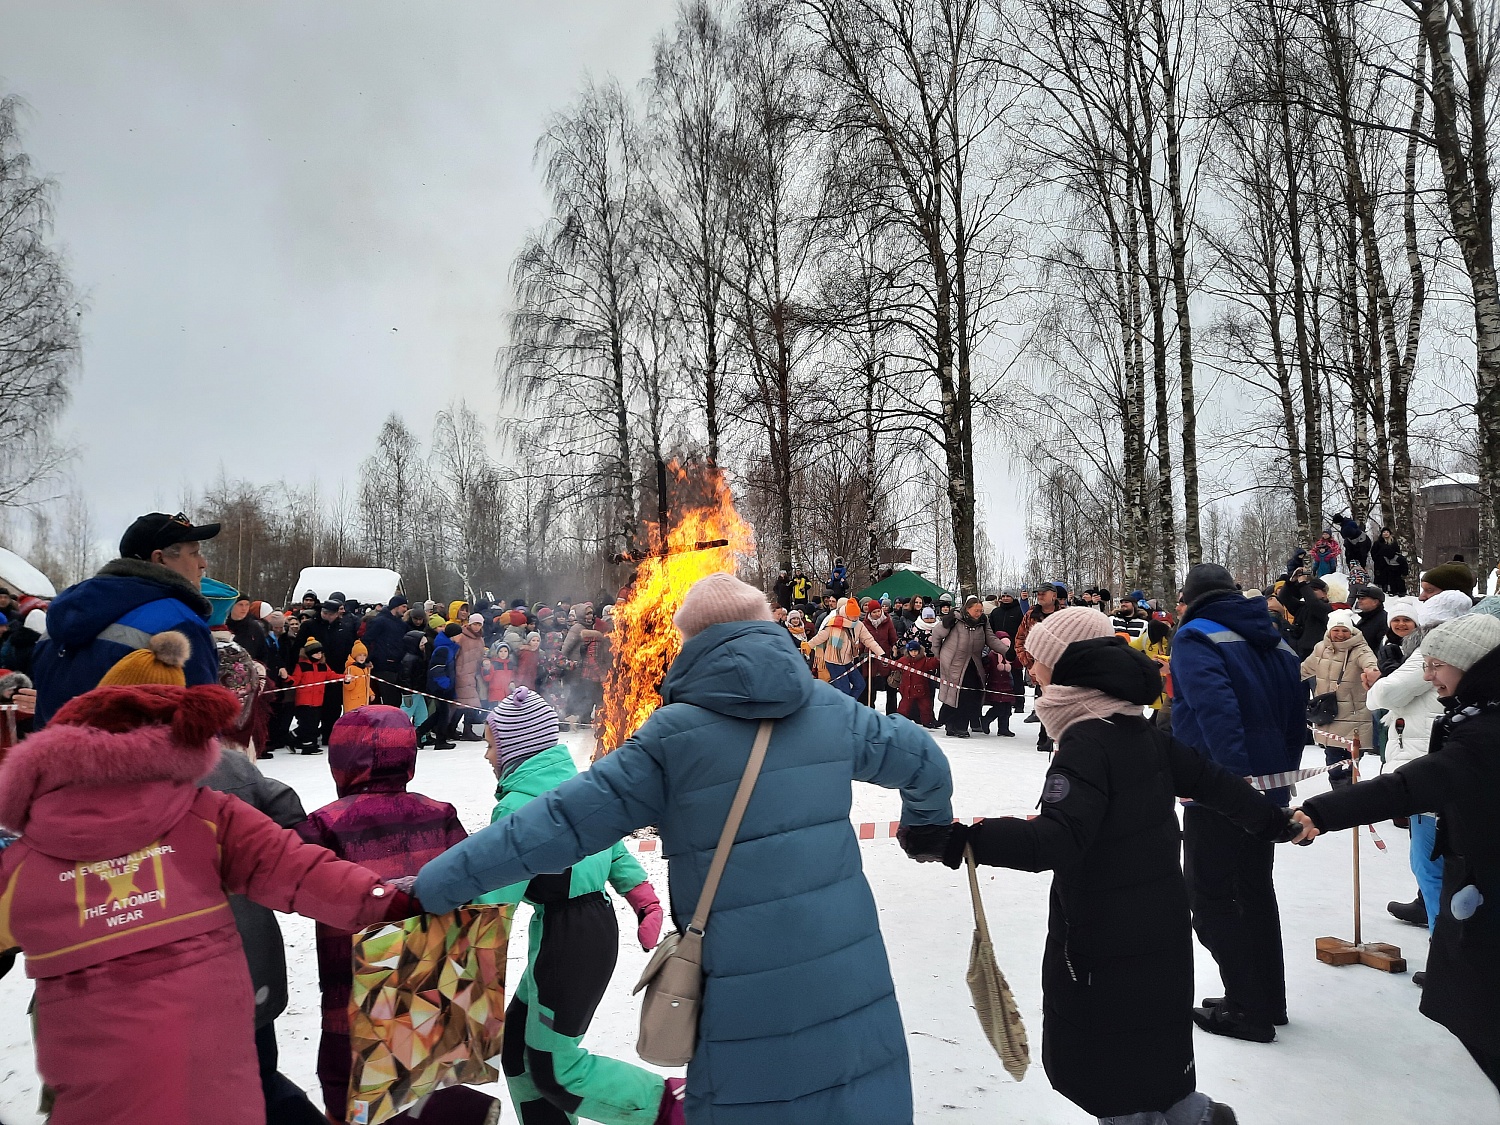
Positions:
{"x": 878, "y": 684}
{"x": 998, "y": 713}
{"x": 1235, "y": 913}
{"x": 439, "y": 719}
{"x": 573, "y": 946}
{"x": 1429, "y": 871}
{"x": 1357, "y": 555}
{"x": 286, "y": 1104}
{"x": 1195, "y": 1109}
{"x": 1390, "y": 581}
{"x": 963, "y": 715}
{"x": 333, "y": 707}
{"x": 848, "y": 679}
{"x": 917, "y": 708}
{"x": 282, "y": 708}
{"x": 309, "y": 724}
{"x": 387, "y": 694}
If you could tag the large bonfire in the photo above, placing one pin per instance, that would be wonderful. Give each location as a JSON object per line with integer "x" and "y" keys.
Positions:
{"x": 645, "y": 642}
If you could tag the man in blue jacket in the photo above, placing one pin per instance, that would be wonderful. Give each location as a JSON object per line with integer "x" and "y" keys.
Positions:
{"x": 153, "y": 587}
{"x": 1239, "y": 700}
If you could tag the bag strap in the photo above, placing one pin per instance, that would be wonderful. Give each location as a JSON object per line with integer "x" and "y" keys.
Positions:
{"x": 981, "y": 923}
{"x": 731, "y": 827}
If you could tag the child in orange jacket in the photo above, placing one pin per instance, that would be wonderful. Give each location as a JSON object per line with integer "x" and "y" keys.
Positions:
{"x": 357, "y": 689}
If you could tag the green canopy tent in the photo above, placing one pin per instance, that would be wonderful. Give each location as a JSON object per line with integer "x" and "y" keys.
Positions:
{"x": 903, "y": 584}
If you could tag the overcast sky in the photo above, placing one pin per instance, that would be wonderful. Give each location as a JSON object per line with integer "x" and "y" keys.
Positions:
{"x": 288, "y": 219}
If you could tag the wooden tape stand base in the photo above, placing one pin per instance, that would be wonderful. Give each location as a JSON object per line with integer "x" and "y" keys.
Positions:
{"x": 1375, "y": 954}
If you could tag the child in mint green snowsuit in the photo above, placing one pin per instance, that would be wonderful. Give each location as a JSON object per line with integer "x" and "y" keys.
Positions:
{"x": 573, "y": 943}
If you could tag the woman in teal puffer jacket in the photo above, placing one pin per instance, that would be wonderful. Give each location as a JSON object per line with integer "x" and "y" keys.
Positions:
{"x": 799, "y": 1021}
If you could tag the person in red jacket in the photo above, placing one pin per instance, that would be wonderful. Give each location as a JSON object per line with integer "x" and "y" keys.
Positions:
{"x": 917, "y": 688}
{"x": 378, "y": 824}
{"x": 883, "y": 629}
{"x": 117, "y": 893}
{"x": 312, "y": 675}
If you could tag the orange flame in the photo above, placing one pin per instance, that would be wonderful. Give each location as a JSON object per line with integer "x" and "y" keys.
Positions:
{"x": 644, "y": 641}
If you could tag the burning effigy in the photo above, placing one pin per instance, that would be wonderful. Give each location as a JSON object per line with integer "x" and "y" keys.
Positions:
{"x": 704, "y": 539}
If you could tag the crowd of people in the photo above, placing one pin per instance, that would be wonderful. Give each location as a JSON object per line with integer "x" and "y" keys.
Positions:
{"x": 144, "y": 852}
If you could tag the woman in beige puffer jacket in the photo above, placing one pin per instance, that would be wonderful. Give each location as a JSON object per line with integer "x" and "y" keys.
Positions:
{"x": 1343, "y": 663}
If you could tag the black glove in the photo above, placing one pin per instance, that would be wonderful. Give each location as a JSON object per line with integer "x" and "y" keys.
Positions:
{"x": 958, "y": 841}
{"x": 1283, "y": 829}
{"x": 925, "y": 843}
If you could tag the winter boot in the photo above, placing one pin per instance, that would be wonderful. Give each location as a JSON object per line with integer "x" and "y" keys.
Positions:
{"x": 1233, "y": 1023}
{"x": 1414, "y": 912}
{"x": 1222, "y": 1115}
{"x": 1031, "y": 718}
{"x": 1216, "y": 1001}
{"x": 672, "y": 1112}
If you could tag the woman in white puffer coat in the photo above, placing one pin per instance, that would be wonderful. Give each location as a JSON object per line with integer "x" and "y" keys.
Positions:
{"x": 1411, "y": 707}
{"x": 1409, "y": 702}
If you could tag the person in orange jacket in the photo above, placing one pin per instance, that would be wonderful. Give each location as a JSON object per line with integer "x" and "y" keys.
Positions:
{"x": 358, "y": 690}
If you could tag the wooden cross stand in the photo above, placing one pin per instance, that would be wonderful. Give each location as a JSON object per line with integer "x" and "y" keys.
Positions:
{"x": 1337, "y": 951}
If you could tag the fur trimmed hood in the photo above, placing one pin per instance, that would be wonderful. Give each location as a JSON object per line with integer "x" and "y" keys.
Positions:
{"x": 61, "y": 757}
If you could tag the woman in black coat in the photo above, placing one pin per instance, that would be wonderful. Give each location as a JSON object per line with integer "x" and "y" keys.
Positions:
{"x": 1459, "y": 779}
{"x": 1117, "y": 974}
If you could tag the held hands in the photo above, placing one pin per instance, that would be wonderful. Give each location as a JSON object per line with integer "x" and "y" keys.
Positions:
{"x": 648, "y": 913}
{"x": 1298, "y": 829}
{"x": 1368, "y": 677}
{"x": 934, "y": 843}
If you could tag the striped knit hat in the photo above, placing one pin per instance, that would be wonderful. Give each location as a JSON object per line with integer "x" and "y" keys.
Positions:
{"x": 523, "y": 725}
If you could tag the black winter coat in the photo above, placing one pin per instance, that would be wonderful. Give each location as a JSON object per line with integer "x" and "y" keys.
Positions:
{"x": 1309, "y": 615}
{"x": 1007, "y": 618}
{"x": 383, "y": 638}
{"x": 1117, "y": 974}
{"x": 260, "y": 933}
{"x": 1459, "y": 778}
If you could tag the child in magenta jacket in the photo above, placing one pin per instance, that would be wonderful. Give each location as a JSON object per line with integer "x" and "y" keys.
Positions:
{"x": 117, "y": 892}
{"x": 378, "y": 824}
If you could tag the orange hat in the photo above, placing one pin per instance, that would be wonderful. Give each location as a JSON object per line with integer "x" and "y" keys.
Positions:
{"x": 851, "y": 608}
{"x": 161, "y": 662}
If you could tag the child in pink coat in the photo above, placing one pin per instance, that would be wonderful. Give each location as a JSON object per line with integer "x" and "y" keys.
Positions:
{"x": 117, "y": 893}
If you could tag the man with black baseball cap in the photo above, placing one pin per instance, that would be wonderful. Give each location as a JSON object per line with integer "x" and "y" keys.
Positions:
{"x": 153, "y": 587}
{"x": 170, "y": 541}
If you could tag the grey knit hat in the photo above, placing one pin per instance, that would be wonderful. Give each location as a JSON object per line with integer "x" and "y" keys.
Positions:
{"x": 1463, "y": 641}
{"x": 524, "y": 725}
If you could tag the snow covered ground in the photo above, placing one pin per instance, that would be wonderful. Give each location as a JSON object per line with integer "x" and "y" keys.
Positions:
{"x": 1357, "y": 1050}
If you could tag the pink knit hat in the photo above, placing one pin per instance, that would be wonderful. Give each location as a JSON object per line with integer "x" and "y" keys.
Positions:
{"x": 1055, "y": 632}
{"x": 719, "y": 598}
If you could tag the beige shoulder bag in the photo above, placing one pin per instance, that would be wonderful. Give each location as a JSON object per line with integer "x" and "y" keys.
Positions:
{"x": 673, "y": 980}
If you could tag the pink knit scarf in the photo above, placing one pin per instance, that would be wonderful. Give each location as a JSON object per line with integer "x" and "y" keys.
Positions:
{"x": 1062, "y": 706}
